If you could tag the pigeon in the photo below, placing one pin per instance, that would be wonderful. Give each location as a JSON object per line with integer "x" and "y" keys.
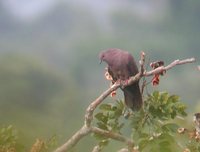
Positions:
{"x": 121, "y": 66}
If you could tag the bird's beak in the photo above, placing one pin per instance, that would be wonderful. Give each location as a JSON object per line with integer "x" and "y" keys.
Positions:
{"x": 100, "y": 61}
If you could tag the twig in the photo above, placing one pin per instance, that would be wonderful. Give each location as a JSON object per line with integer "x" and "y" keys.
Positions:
{"x": 87, "y": 128}
{"x": 113, "y": 135}
{"x": 171, "y": 65}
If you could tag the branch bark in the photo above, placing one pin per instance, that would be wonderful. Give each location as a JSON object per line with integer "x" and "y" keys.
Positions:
{"x": 87, "y": 128}
{"x": 74, "y": 139}
{"x": 114, "y": 136}
{"x": 171, "y": 65}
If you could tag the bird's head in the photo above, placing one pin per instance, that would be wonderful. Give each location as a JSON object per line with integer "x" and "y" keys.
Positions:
{"x": 107, "y": 55}
{"x": 102, "y": 56}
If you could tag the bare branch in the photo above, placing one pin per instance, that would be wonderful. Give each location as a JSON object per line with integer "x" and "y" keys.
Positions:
{"x": 171, "y": 65}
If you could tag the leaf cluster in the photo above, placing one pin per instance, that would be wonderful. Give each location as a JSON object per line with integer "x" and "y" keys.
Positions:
{"x": 9, "y": 140}
{"x": 42, "y": 145}
{"x": 193, "y": 145}
{"x": 153, "y": 127}
{"x": 109, "y": 119}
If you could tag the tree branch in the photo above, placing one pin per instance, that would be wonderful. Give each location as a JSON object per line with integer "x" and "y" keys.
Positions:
{"x": 94, "y": 104}
{"x": 87, "y": 128}
{"x": 74, "y": 139}
{"x": 171, "y": 65}
{"x": 113, "y": 135}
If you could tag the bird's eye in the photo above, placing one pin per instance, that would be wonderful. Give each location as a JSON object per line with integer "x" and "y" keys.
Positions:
{"x": 103, "y": 56}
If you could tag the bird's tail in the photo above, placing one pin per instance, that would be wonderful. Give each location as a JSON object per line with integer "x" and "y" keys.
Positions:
{"x": 133, "y": 97}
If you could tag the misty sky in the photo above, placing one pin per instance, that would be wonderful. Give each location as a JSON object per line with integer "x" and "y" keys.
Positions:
{"x": 32, "y": 9}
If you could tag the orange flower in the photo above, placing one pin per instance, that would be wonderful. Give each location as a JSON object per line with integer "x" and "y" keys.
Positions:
{"x": 113, "y": 94}
{"x": 156, "y": 78}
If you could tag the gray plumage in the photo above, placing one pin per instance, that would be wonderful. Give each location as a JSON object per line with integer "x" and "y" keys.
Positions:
{"x": 121, "y": 65}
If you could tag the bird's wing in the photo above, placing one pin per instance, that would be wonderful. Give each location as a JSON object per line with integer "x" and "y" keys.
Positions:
{"x": 131, "y": 66}
{"x": 112, "y": 75}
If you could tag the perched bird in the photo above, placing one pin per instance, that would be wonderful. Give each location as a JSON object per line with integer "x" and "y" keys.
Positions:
{"x": 121, "y": 66}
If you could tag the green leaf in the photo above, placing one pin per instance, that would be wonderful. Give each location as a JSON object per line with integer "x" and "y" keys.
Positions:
{"x": 165, "y": 149}
{"x": 164, "y": 143}
{"x": 103, "y": 142}
{"x": 105, "y": 107}
{"x": 173, "y": 99}
{"x": 101, "y": 117}
{"x": 99, "y": 137}
{"x": 102, "y": 125}
{"x": 166, "y": 136}
{"x": 111, "y": 115}
{"x": 163, "y": 97}
{"x": 155, "y": 95}
{"x": 143, "y": 143}
{"x": 170, "y": 127}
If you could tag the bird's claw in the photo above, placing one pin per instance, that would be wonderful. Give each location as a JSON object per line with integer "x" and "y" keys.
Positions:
{"x": 122, "y": 83}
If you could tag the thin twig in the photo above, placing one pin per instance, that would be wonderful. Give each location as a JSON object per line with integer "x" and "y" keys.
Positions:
{"x": 171, "y": 65}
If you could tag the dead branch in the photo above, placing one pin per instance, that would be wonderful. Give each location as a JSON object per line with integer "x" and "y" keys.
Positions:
{"x": 87, "y": 128}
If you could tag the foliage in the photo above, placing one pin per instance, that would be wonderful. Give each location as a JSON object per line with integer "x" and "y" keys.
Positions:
{"x": 42, "y": 145}
{"x": 23, "y": 78}
{"x": 9, "y": 142}
{"x": 153, "y": 127}
{"x": 109, "y": 119}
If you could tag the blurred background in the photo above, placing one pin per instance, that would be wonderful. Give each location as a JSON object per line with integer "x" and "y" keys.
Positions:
{"x": 49, "y": 66}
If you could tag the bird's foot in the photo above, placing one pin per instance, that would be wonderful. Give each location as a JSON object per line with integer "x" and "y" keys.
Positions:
{"x": 122, "y": 83}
